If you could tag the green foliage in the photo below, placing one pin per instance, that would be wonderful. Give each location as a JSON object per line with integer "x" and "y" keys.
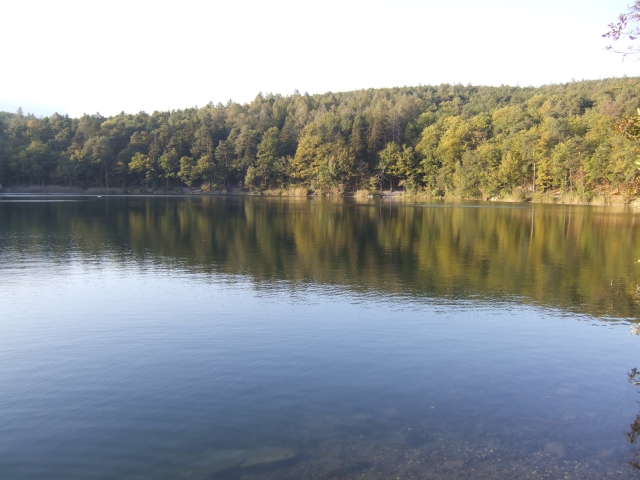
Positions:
{"x": 143, "y": 165}
{"x": 188, "y": 171}
{"x": 169, "y": 163}
{"x": 266, "y": 164}
{"x": 399, "y": 163}
{"x": 448, "y": 140}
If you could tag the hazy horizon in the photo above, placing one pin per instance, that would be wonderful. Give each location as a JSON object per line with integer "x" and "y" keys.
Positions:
{"x": 44, "y": 110}
{"x": 142, "y": 56}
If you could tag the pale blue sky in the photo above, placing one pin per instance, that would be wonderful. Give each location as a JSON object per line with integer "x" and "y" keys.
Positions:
{"x": 78, "y": 56}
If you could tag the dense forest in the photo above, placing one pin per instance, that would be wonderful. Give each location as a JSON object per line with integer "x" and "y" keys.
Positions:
{"x": 447, "y": 140}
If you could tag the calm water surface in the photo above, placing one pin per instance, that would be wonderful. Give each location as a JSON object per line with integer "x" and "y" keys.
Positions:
{"x": 240, "y": 338}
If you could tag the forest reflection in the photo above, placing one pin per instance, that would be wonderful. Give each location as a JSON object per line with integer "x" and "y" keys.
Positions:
{"x": 571, "y": 257}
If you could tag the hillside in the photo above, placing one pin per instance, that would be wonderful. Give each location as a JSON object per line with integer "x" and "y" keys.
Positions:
{"x": 554, "y": 141}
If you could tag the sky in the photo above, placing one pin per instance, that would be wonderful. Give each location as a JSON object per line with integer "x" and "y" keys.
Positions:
{"x": 79, "y": 57}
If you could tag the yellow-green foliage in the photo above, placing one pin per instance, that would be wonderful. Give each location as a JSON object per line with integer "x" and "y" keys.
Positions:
{"x": 447, "y": 140}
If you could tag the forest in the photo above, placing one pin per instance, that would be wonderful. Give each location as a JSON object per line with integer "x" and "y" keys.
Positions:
{"x": 509, "y": 142}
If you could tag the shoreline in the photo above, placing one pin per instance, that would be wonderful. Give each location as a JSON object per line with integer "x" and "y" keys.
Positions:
{"x": 550, "y": 198}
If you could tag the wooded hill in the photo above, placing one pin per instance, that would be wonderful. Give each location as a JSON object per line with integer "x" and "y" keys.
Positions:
{"x": 446, "y": 140}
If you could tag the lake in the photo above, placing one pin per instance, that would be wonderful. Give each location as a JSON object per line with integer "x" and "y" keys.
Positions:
{"x": 252, "y": 337}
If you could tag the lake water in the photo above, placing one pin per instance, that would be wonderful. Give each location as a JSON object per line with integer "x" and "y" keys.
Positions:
{"x": 247, "y": 337}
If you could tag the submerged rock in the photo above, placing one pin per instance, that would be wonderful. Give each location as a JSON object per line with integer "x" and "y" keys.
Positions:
{"x": 454, "y": 464}
{"x": 221, "y": 460}
{"x": 267, "y": 455}
{"x": 555, "y": 448}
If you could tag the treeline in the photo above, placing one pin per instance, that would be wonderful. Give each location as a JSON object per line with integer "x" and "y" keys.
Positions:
{"x": 447, "y": 140}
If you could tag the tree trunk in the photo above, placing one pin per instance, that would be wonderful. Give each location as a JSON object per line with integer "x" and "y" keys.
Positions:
{"x": 534, "y": 177}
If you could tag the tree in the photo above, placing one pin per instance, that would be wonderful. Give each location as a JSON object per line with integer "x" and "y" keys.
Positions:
{"x": 203, "y": 145}
{"x": 406, "y": 169}
{"x": 245, "y": 145}
{"x": 142, "y": 165}
{"x": 188, "y": 171}
{"x": 468, "y": 141}
{"x": 225, "y": 154}
{"x": 389, "y": 159}
{"x": 427, "y": 148}
{"x": 38, "y": 155}
{"x": 627, "y": 28}
{"x": 78, "y": 164}
{"x": 169, "y": 162}
{"x": 207, "y": 169}
{"x": 322, "y": 165}
{"x": 99, "y": 148}
{"x": 266, "y": 158}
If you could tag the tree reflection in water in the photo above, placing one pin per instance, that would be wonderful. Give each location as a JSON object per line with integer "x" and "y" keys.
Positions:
{"x": 634, "y": 433}
{"x": 564, "y": 257}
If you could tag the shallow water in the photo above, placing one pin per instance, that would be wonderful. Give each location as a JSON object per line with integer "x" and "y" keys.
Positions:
{"x": 266, "y": 338}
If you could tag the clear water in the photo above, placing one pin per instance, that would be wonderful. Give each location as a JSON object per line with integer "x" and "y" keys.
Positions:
{"x": 265, "y": 338}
